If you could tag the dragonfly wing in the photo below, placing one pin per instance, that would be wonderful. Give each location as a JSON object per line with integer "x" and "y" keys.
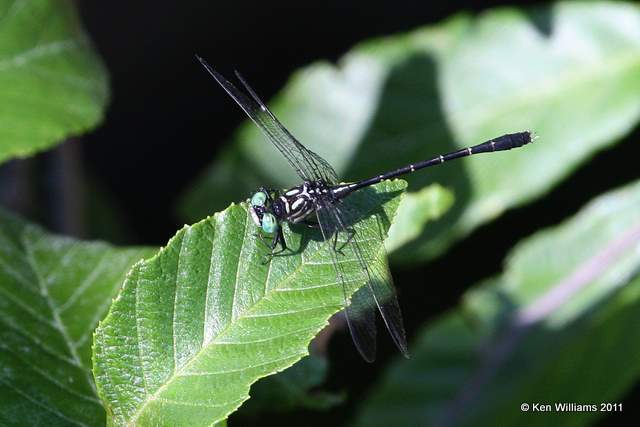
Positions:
{"x": 361, "y": 317}
{"x": 319, "y": 167}
{"x": 307, "y": 164}
{"x": 361, "y": 320}
{"x": 379, "y": 290}
{"x": 376, "y": 291}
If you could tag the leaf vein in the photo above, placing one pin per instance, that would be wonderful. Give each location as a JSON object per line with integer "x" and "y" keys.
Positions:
{"x": 36, "y": 341}
{"x": 197, "y": 404}
{"x": 56, "y": 317}
{"x": 37, "y": 52}
{"x": 43, "y": 405}
{"x": 284, "y": 313}
{"x": 231, "y": 371}
{"x": 270, "y": 338}
{"x": 86, "y": 284}
{"x": 52, "y": 379}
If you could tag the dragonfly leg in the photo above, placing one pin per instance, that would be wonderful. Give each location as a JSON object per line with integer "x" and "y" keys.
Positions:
{"x": 350, "y": 235}
{"x": 278, "y": 238}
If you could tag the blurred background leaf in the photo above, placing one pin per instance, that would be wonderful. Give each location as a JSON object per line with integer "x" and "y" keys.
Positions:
{"x": 53, "y": 292}
{"x": 52, "y": 84}
{"x": 415, "y": 211}
{"x": 291, "y": 389}
{"x": 570, "y": 71}
{"x": 197, "y": 324}
{"x": 559, "y": 325}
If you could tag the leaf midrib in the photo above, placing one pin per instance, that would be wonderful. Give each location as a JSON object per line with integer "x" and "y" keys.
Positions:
{"x": 57, "y": 321}
{"x": 39, "y": 51}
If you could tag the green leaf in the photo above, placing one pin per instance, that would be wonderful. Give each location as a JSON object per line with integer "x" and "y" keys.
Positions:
{"x": 52, "y": 84}
{"x": 205, "y": 318}
{"x": 570, "y": 71}
{"x": 416, "y": 209}
{"x": 53, "y": 292}
{"x": 557, "y": 326}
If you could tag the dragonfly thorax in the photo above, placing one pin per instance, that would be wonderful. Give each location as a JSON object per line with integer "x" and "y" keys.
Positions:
{"x": 297, "y": 203}
{"x": 268, "y": 208}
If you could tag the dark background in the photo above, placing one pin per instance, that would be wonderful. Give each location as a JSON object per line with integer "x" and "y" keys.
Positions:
{"x": 167, "y": 121}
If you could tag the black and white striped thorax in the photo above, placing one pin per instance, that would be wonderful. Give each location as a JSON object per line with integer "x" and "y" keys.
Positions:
{"x": 297, "y": 203}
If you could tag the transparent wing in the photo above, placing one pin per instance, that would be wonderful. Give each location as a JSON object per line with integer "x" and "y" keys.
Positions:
{"x": 307, "y": 164}
{"x": 377, "y": 290}
{"x": 361, "y": 317}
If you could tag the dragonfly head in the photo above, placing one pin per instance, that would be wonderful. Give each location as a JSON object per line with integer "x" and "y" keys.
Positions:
{"x": 260, "y": 210}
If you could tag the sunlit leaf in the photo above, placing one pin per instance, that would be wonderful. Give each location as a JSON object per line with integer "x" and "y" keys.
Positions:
{"x": 53, "y": 292}
{"x": 205, "y": 318}
{"x": 416, "y": 209}
{"x": 557, "y": 327}
{"x": 571, "y": 72}
{"x": 52, "y": 84}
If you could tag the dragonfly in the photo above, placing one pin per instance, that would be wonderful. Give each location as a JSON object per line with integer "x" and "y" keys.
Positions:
{"x": 322, "y": 201}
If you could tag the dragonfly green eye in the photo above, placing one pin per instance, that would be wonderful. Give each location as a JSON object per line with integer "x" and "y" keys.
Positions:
{"x": 258, "y": 199}
{"x": 269, "y": 223}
